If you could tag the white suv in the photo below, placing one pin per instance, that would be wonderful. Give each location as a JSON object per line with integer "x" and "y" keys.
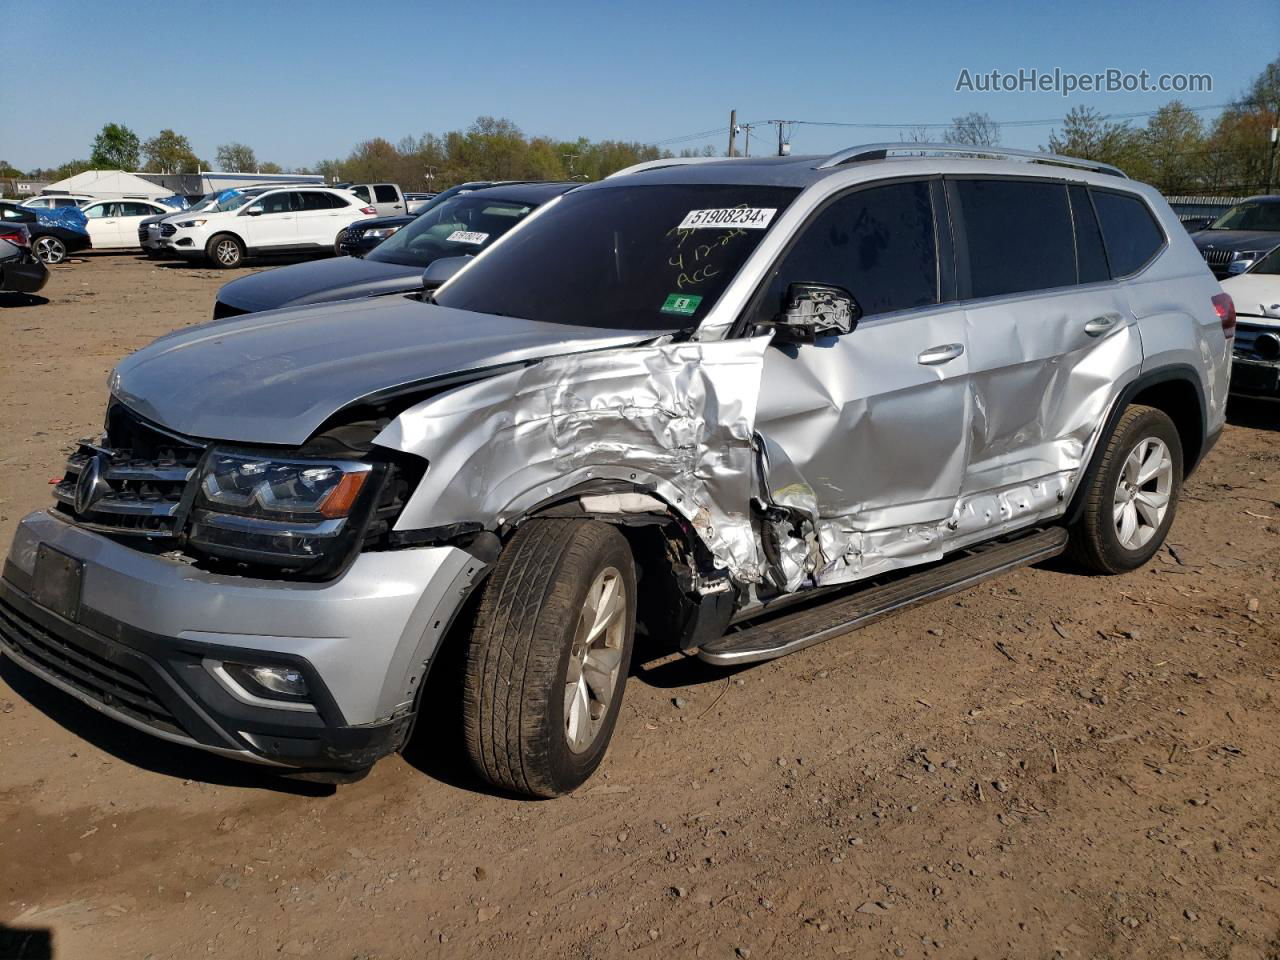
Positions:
{"x": 274, "y": 221}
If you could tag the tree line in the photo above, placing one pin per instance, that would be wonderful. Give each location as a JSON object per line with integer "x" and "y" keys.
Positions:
{"x": 1175, "y": 150}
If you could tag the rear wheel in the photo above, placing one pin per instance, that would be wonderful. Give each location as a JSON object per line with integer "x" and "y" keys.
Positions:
{"x": 49, "y": 249}
{"x": 547, "y": 659}
{"x": 1131, "y": 501}
{"x": 225, "y": 251}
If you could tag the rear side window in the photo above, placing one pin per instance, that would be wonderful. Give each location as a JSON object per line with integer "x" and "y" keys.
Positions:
{"x": 878, "y": 244}
{"x": 317, "y": 200}
{"x": 1018, "y": 234}
{"x": 1131, "y": 233}
{"x": 385, "y": 193}
{"x": 1091, "y": 259}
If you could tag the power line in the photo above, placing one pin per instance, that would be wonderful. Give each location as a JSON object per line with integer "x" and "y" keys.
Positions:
{"x": 718, "y": 131}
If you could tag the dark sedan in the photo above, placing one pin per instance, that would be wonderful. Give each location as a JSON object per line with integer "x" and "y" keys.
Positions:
{"x": 1240, "y": 237}
{"x": 54, "y": 233}
{"x": 20, "y": 271}
{"x": 451, "y": 228}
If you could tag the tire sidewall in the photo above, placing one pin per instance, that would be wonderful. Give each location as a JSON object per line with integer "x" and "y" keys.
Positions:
{"x": 568, "y": 769}
{"x": 1152, "y": 424}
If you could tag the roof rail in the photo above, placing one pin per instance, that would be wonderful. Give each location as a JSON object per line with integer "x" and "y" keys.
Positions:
{"x": 881, "y": 151}
{"x": 659, "y": 164}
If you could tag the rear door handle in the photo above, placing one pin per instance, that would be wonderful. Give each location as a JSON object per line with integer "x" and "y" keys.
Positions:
{"x": 943, "y": 353}
{"x": 1103, "y": 324}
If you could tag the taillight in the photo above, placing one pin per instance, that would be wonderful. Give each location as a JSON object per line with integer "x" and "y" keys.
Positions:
{"x": 1226, "y": 310}
{"x": 369, "y": 210}
{"x": 16, "y": 238}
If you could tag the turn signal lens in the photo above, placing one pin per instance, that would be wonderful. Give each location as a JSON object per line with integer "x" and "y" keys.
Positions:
{"x": 343, "y": 497}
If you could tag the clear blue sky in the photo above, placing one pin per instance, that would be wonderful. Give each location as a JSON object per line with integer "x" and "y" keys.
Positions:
{"x": 300, "y": 87}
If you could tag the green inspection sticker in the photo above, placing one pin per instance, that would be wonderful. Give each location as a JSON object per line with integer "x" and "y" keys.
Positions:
{"x": 681, "y": 305}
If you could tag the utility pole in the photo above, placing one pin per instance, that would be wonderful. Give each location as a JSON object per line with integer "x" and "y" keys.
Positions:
{"x": 570, "y": 157}
{"x": 733, "y": 129}
{"x": 746, "y": 130}
{"x": 1271, "y": 159}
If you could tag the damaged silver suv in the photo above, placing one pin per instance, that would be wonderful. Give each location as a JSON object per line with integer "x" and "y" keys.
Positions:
{"x": 736, "y": 407}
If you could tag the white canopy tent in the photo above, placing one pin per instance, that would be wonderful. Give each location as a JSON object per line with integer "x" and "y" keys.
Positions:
{"x": 109, "y": 185}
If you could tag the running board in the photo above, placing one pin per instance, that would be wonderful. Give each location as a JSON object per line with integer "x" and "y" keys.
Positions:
{"x": 788, "y": 633}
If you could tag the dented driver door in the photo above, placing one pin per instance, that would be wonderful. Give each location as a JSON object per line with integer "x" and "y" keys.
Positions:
{"x": 874, "y": 420}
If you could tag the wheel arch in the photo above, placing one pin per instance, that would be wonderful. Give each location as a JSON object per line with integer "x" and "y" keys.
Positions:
{"x": 1177, "y": 391}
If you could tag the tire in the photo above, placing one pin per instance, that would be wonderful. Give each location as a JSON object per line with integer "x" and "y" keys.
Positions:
{"x": 49, "y": 249}
{"x": 337, "y": 244}
{"x": 1122, "y": 524}
{"x": 225, "y": 251}
{"x": 518, "y": 702}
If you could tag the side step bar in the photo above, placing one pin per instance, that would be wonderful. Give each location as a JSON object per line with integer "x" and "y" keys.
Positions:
{"x": 788, "y": 633}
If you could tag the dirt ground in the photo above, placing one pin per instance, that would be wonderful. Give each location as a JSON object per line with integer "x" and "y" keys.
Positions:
{"x": 1048, "y": 765}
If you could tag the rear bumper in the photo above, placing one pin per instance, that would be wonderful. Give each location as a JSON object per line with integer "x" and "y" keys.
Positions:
{"x": 144, "y": 638}
{"x": 27, "y": 275}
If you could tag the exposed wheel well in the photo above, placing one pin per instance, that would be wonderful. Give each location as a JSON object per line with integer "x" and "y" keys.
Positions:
{"x": 1181, "y": 401}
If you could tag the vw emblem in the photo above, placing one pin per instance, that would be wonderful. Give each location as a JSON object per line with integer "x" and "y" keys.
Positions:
{"x": 90, "y": 487}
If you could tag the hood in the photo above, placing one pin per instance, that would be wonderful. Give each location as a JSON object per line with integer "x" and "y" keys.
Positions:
{"x": 318, "y": 281}
{"x": 1255, "y": 294}
{"x": 1236, "y": 239}
{"x": 275, "y": 377}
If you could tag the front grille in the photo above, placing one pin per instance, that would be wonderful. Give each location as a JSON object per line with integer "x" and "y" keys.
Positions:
{"x": 132, "y": 480}
{"x": 142, "y": 234}
{"x": 1217, "y": 258}
{"x": 167, "y": 229}
{"x": 1247, "y": 345}
{"x": 90, "y": 674}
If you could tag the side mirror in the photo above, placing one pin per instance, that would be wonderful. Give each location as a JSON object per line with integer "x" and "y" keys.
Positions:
{"x": 253, "y": 212}
{"x": 438, "y": 271}
{"x": 812, "y": 310}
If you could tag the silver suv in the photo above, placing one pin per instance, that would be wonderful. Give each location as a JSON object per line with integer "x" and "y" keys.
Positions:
{"x": 733, "y": 407}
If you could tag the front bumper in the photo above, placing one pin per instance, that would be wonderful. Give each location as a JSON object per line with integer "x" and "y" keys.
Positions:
{"x": 1255, "y": 378}
{"x": 27, "y": 275}
{"x": 142, "y": 638}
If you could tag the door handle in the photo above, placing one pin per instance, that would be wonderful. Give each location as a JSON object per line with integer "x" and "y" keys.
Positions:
{"x": 1100, "y": 325}
{"x": 940, "y": 354}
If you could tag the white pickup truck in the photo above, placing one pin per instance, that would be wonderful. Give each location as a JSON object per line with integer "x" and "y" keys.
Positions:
{"x": 386, "y": 198}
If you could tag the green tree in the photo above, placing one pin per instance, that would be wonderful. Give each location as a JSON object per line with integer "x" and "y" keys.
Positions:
{"x": 269, "y": 167}
{"x": 116, "y": 147}
{"x": 169, "y": 152}
{"x": 1087, "y": 135}
{"x": 372, "y": 160}
{"x": 236, "y": 158}
{"x": 1173, "y": 148}
{"x": 7, "y": 169}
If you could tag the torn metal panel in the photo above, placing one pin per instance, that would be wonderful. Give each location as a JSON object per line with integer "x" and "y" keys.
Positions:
{"x": 678, "y": 418}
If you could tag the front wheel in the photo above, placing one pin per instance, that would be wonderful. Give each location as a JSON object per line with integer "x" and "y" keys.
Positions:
{"x": 49, "y": 249}
{"x": 547, "y": 658}
{"x": 1132, "y": 497}
{"x": 225, "y": 251}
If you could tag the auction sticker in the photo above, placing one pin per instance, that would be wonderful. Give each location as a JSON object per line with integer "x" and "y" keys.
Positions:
{"x": 467, "y": 236}
{"x": 743, "y": 218}
{"x": 681, "y": 305}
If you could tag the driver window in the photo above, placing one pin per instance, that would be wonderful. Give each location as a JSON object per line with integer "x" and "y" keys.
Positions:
{"x": 274, "y": 203}
{"x": 99, "y": 210}
{"x": 877, "y": 243}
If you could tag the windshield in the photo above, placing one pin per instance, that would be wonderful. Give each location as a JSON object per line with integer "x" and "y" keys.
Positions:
{"x": 234, "y": 202}
{"x": 652, "y": 257}
{"x": 1250, "y": 216}
{"x": 463, "y": 224}
{"x": 1270, "y": 264}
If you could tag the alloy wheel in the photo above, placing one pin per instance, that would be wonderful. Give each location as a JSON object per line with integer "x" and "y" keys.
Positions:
{"x": 1142, "y": 493}
{"x": 228, "y": 253}
{"x": 595, "y": 659}
{"x": 50, "y": 250}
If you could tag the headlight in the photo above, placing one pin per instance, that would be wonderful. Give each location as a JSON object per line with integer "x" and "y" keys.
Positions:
{"x": 283, "y": 512}
{"x": 1242, "y": 260}
{"x": 192, "y": 223}
{"x": 381, "y": 233}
